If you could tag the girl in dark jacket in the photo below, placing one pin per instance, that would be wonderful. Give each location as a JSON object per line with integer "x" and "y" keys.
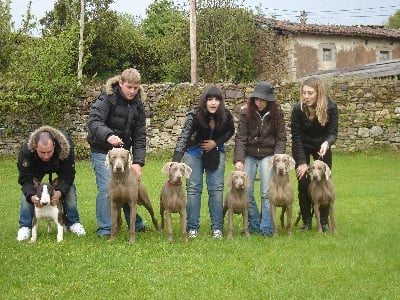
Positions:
{"x": 261, "y": 134}
{"x": 201, "y": 145}
{"x": 314, "y": 129}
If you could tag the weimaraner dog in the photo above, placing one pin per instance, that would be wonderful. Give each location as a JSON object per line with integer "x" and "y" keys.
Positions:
{"x": 172, "y": 196}
{"x": 281, "y": 190}
{"x": 322, "y": 192}
{"x": 124, "y": 187}
{"x": 237, "y": 200}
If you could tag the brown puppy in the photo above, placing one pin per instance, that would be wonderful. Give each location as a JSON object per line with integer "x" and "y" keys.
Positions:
{"x": 172, "y": 196}
{"x": 124, "y": 187}
{"x": 237, "y": 200}
{"x": 322, "y": 192}
{"x": 281, "y": 190}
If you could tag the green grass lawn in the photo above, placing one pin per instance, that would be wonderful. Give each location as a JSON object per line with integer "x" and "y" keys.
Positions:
{"x": 362, "y": 262}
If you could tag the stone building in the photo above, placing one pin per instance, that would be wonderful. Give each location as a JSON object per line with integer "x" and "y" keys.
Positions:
{"x": 311, "y": 47}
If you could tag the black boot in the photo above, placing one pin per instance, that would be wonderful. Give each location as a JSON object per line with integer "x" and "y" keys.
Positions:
{"x": 306, "y": 226}
{"x": 324, "y": 212}
{"x": 305, "y": 209}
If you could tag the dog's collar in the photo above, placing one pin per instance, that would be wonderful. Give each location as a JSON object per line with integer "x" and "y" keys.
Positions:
{"x": 170, "y": 183}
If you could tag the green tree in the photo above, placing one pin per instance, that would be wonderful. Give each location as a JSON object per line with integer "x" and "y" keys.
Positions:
{"x": 394, "y": 21}
{"x": 6, "y": 38}
{"x": 40, "y": 79}
{"x": 135, "y": 49}
{"x": 167, "y": 29}
{"x": 100, "y": 25}
{"x": 226, "y": 34}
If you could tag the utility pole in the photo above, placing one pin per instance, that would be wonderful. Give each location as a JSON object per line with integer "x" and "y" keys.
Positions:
{"x": 8, "y": 10}
{"x": 81, "y": 40}
{"x": 193, "y": 43}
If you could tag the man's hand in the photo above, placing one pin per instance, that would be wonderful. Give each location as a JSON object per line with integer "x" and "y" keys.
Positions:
{"x": 138, "y": 169}
{"x": 115, "y": 141}
{"x": 56, "y": 198}
{"x": 36, "y": 201}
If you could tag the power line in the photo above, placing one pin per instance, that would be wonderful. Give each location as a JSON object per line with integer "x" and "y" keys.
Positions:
{"x": 328, "y": 15}
{"x": 338, "y": 11}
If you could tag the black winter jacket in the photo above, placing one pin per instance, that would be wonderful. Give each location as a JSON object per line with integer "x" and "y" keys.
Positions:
{"x": 308, "y": 134}
{"x": 62, "y": 163}
{"x": 114, "y": 115}
{"x": 193, "y": 133}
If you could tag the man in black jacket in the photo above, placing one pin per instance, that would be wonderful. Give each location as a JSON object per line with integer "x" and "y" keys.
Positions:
{"x": 117, "y": 119}
{"x": 48, "y": 151}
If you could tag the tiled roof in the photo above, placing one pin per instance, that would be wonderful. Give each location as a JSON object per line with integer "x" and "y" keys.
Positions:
{"x": 374, "y": 70}
{"x": 355, "y": 30}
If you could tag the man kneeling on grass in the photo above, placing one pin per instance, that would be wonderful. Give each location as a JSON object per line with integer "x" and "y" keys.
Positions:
{"x": 48, "y": 151}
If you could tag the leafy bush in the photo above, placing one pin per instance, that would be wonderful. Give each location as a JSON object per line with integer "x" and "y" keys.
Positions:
{"x": 82, "y": 151}
{"x": 41, "y": 79}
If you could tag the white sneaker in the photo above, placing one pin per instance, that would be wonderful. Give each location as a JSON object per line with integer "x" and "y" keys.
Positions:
{"x": 24, "y": 233}
{"x": 77, "y": 228}
{"x": 193, "y": 233}
{"x": 217, "y": 234}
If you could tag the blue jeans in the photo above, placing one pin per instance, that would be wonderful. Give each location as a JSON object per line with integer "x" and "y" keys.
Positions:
{"x": 103, "y": 206}
{"x": 251, "y": 166}
{"x": 194, "y": 188}
{"x": 70, "y": 209}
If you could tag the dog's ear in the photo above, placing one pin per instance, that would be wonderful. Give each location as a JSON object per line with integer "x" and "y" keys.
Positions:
{"x": 54, "y": 182}
{"x": 270, "y": 162}
{"x": 130, "y": 160}
{"x": 309, "y": 168}
{"x": 36, "y": 182}
{"x": 107, "y": 162}
{"x": 188, "y": 170}
{"x": 291, "y": 163}
{"x": 246, "y": 180}
{"x": 327, "y": 172}
{"x": 165, "y": 168}
{"x": 228, "y": 180}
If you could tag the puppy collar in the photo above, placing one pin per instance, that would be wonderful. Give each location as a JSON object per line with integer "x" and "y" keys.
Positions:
{"x": 170, "y": 183}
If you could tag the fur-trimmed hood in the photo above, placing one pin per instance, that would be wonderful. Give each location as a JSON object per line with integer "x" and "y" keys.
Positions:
{"x": 110, "y": 84}
{"x": 59, "y": 137}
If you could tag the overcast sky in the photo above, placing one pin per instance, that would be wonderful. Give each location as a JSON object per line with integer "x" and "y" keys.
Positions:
{"x": 339, "y": 12}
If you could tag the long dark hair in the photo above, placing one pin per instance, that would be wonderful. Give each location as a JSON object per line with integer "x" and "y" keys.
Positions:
{"x": 273, "y": 108}
{"x": 204, "y": 115}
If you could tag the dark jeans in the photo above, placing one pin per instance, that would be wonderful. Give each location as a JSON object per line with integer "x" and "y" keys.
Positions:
{"x": 304, "y": 199}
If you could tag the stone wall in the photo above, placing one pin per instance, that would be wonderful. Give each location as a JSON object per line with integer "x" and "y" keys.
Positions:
{"x": 369, "y": 113}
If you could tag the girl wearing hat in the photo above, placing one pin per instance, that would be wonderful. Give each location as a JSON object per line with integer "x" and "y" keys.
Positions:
{"x": 201, "y": 145}
{"x": 314, "y": 128}
{"x": 261, "y": 133}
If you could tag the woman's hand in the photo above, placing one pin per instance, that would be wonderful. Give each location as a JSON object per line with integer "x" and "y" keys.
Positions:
{"x": 301, "y": 170}
{"x": 323, "y": 149}
{"x": 208, "y": 145}
{"x": 239, "y": 166}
